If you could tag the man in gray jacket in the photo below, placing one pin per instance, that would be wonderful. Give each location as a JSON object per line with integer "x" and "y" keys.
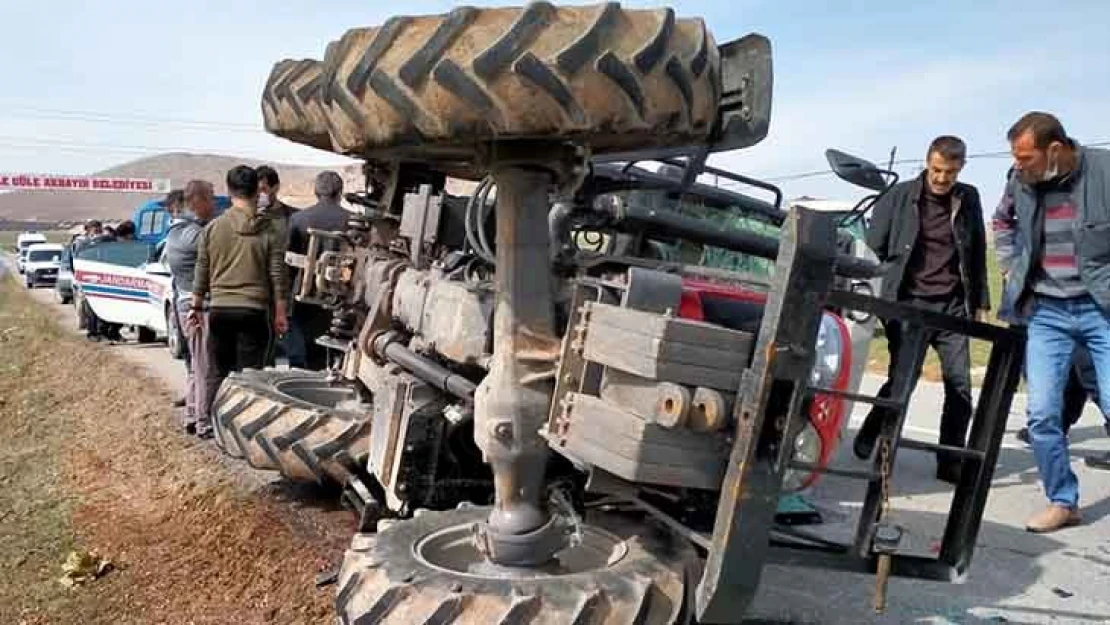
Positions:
{"x": 309, "y": 321}
{"x": 1052, "y": 237}
{"x": 180, "y": 254}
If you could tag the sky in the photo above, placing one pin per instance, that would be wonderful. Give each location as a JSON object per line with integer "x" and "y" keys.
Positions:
{"x": 86, "y": 86}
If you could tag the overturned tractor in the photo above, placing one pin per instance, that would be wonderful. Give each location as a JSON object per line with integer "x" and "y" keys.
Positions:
{"x": 563, "y": 397}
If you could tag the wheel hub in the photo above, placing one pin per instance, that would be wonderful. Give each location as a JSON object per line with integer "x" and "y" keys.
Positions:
{"x": 310, "y": 390}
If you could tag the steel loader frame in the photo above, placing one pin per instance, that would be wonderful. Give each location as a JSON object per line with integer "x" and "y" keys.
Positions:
{"x": 772, "y": 404}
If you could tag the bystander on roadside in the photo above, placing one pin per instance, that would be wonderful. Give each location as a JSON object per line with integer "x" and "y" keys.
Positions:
{"x": 1052, "y": 237}
{"x": 181, "y": 256}
{"x": 310, "y": 321}
{"x": 930, "y": 233}
{"x": 240, "y": 278}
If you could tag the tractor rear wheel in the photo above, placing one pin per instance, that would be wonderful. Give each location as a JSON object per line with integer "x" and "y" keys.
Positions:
{"x": 293, "y": 422}
{"x": 427, "y": 570}
{"x": 434, "y": 87}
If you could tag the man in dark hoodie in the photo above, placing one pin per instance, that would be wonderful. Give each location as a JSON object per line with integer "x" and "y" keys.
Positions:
{"x": 241, "y": 274}
{"x": 180, "y": 254}
{"x": 311, "y": 321}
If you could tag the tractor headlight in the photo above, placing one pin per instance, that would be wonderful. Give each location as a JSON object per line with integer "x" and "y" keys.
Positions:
{"x": 807, "y": 448}
{"x": 826, "y": 367}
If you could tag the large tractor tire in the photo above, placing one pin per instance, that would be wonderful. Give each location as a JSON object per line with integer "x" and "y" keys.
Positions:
{"x": 434, "y": 87}
{"x": 426, "y": 570}
{"x": 293, "y": 422}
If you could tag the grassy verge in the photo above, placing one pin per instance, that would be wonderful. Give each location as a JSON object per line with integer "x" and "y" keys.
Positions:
{"x": 36, "y": 529}
{"x": 91, "y": 459}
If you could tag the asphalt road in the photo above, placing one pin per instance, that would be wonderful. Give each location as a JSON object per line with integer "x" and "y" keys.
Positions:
{"x": 1016, "y": 577}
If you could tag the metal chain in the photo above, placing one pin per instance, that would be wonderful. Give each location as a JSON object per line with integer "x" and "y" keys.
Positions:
{"x": 885, "y": 470}
{"x": 884, "y": 562}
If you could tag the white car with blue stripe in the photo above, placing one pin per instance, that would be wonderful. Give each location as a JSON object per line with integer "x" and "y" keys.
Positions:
{"x": 120, "y": 282}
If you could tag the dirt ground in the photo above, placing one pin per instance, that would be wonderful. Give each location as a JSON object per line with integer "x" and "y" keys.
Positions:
{"x": 90, "y": 459}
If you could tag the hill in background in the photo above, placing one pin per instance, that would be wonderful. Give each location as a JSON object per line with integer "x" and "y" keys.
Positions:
{"x": 75, "y": 206}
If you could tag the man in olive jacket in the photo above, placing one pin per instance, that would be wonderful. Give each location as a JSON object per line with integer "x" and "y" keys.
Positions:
{"x": 930, "y": 233}
{"x": 241, "y": 270}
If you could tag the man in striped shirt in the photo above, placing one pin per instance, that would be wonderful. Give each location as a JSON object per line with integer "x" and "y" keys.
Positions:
{"x": 1052, "y": 237}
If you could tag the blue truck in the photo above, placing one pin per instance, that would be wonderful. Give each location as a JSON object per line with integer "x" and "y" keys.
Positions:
{"x": 152, "y": 220}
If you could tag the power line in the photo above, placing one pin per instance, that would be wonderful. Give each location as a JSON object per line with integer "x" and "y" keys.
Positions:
{"x": 909, "y": 161}
{"x": 136, "y": 122}
{"x": 129, "y": 117}
{"x": 50, "y": 142}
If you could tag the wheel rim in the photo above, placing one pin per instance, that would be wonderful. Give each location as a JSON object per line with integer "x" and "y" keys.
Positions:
{"x": 453, "y": 549}
{"x": 316, "y": 391}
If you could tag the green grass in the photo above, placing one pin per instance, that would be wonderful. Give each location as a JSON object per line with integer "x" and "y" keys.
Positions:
{"x": 879, "y": 359}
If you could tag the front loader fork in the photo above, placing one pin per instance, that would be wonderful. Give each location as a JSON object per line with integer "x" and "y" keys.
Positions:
{"x": 774, "y": 394}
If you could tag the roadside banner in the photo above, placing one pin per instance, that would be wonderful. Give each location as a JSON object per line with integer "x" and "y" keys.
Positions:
{"x": 60, "y": 182}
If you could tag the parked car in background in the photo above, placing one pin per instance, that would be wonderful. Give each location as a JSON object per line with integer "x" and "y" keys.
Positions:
{"x": 22, "y": 242}
{"x": 41, "y": 263}
{"x": 26, "y": 239}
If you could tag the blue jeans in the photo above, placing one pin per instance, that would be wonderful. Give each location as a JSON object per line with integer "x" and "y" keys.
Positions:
{"x": 1055, "y": 327}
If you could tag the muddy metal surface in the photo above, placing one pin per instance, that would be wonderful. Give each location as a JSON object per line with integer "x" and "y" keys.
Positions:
{"x": 1016, "y": 577}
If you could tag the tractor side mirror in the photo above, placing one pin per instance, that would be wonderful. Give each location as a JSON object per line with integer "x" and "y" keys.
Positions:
{"x": 856, "y": 170}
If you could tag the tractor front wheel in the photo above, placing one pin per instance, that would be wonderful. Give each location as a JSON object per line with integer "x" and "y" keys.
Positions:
{"x": 428, "y": 570}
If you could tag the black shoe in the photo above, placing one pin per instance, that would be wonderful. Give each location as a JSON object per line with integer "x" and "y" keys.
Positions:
{"x": 1101, "y": 462}
{"x": 204, "y": 431}
{"x": 950, "y": 472}
{"x": 190, "y": 428}
{"x": 1023, "y": 436}
{"x": 179, "y": 403}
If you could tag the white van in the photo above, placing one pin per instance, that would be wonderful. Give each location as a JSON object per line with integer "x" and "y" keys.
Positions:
{"x": 22, "y": 242}
{"x": 41, "y": 263}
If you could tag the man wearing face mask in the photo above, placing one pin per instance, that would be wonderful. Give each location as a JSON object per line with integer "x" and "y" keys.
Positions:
{"x": 1052, "y": 237}
{"x": 269, "y": 185}
{"x": 930, "y": 233}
